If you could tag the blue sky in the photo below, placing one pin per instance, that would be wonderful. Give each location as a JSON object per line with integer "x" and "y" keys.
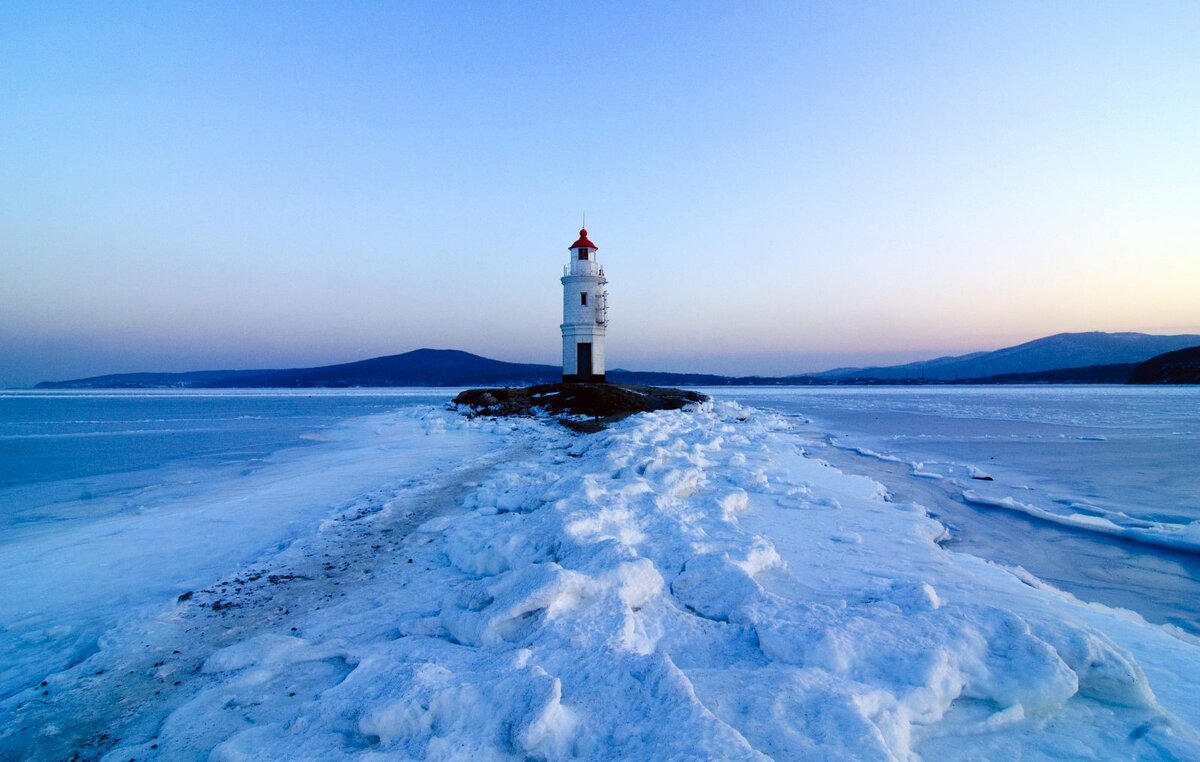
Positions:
{"x": 774, "y": 187}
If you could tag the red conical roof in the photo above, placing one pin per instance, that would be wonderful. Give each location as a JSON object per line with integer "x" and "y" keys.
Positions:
{"x": 583, "y": 241}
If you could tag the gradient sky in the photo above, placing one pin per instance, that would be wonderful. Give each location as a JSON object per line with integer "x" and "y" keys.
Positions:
{"x": 774, "y": 187}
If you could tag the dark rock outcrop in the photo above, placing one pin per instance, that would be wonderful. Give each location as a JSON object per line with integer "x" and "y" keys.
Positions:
{"x": 1179, "y": 367}
{"x": 592, "y": 405}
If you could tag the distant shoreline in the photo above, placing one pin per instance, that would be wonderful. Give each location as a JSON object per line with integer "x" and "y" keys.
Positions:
{"x": 1085, "y": 358}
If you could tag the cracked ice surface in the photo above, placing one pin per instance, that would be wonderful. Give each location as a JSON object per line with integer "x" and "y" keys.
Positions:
{"x": 682, "y": 585}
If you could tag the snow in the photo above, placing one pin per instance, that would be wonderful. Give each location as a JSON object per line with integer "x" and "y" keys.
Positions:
{"x": 1063, "y": 465}
{"x": 684, "y": 584}
{"x": 69, "y": 581}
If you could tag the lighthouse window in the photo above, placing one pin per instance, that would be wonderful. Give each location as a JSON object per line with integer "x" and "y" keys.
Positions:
{"x": 582, "y": 254}
{"x": 583, "y": 298}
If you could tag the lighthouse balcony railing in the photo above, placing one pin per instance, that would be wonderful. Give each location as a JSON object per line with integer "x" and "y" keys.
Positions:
{"x": 582, "y": 268}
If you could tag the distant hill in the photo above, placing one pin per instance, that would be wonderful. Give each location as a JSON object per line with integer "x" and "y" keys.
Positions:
{"x": 1052, "y": 353}
{"x": 656, "y": 378}
{"x": 1179, "y": 367}
{"x": 421, "y": 367}
{"x": 1065, "y": 358}
{"x": 190, "y": 380}
{"x": 1091, "y": 374}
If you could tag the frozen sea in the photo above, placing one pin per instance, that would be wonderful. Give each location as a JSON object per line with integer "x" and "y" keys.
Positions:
{"x": 111, "y": 499}
{"x": 1094, "y": 489}
{"x": 893, "y": 573}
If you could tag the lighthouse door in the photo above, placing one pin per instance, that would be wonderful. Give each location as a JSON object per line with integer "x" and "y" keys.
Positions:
{"x": 583, "y": 360}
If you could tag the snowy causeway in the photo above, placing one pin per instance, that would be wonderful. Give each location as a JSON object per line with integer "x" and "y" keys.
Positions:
{"x": 695, "y": 584}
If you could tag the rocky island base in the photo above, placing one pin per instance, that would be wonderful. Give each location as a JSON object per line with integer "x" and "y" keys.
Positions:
{"x": 579, "y": 407}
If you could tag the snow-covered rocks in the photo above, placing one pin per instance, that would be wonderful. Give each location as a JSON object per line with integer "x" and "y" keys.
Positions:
{"x": 678, "y": 586}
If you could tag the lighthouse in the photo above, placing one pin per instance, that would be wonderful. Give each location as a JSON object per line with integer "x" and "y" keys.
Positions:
{"x": 585, "y": 314}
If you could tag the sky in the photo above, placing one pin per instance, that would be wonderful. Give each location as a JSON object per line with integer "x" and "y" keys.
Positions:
{"x": 774, "y": 187}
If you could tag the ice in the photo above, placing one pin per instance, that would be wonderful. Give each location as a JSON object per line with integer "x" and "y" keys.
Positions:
{"x": 684, "y": 584}
{"x": 266, "y": 651}
{"x": 69, "y": 581}
{"x": 1097, "y": 485}
{"x": 977, "y": 473}
{"x": 1176, "y": 536}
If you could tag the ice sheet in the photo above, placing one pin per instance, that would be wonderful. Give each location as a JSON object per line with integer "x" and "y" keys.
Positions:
{"x": 75, "y": 567}
{"x": 1100, "y": 483}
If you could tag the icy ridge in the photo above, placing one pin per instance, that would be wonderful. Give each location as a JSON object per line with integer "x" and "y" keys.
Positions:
{"x": 1181, "y": 534}
{"x": 683, "y": 585}
{"x": 1178, "y": 536}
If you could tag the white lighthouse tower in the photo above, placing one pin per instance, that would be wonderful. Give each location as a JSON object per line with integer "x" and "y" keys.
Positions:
{"x": 585, "y": 314}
